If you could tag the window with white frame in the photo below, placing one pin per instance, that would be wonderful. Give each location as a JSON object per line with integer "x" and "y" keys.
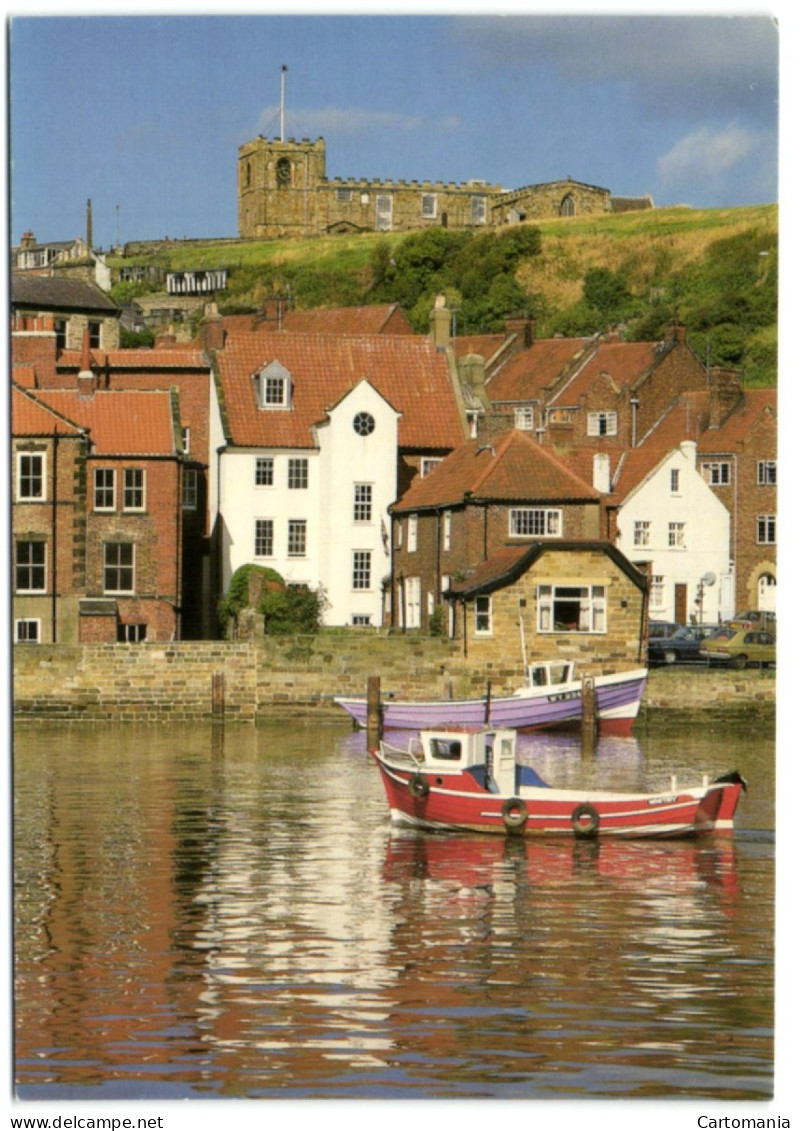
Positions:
{"x": 362, "y": 569}
{"x": 411, "y": 539}
{"x": 656, "y": 596}
{"x": 28, "y": 630}
{"x": 560, "y": 415}
{"x": 133, "y": 489}
{"x": 483, "y": 615}
{"x": 362, "y": 502}
{"x": 274, "y": 387}
{"x": 602, "y": 424}
{"x": 429, "y": 205}
{"x": 186, "y": 438}
{"x": 263, "y": 542}
{"x": 399, "y": 534}
{"x": 642, "y": 532}
{"x": 30, "y": 566}
{"x": 105, "y": 489}
{"x": 447, "y": 522}
{"x": 296, "y": 538}
{"x": 571, "y": 608}
{"x": 264, "y": 472}
{"x": 427, "y": 465}
{"x": 717, "y": 474}
{"x": 535, "y": 522}
{"x": 524, "y": 418}
{"x": 131, "y": 633}
{"x": 361, "y": 620}
{"x": 30, "y": 477}
{"x": 189, "y": 500}
{"x": 297, "y": 473}
{"x": 676, "y": 532}
{"x": 118, "y": 567}
{"x": 674, "y": 480}
{"x": 766, "y": 472}
{"x": 766, "y": 529}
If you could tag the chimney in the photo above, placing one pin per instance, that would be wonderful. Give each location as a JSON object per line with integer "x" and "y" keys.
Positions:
{"x": 440, "y": 323}
{"x": 28, "y": 240}
{"x": 212, "y": 330}
{"x": 600, "y": 473}
{"x": 724, "y": 393}
{"x": 676, "y": 332}
{"x": 524, "y": 327}
{"x": 86, "y": 378}
{"x": 689, "y": 449}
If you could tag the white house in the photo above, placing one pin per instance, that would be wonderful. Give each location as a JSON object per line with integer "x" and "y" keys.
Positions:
{"x": 669, "y": 518}
{"x": 311, "y": 439}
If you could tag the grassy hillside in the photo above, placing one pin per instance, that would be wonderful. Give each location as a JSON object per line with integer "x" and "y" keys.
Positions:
{"x": 715, "y": 270}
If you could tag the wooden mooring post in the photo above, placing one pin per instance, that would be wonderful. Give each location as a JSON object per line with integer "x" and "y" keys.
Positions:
{"x": 589, "y": 720}
{"x": 374, "y": 721}
{"x": 218, "y": 698}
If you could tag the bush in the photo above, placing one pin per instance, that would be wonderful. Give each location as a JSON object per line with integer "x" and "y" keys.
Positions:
{"x": 295, "y": 609}
{"x": 236, "y": 599}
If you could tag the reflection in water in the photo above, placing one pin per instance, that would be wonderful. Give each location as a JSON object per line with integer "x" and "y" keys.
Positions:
{"x": 232, "y": 915}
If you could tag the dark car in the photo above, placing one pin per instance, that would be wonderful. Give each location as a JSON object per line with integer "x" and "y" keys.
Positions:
{"x": 682, "y": 646}
{"x": 659, "y": 629}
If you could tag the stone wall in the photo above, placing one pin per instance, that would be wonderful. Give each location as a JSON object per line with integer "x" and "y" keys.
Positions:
{"x": 287, "y": 677}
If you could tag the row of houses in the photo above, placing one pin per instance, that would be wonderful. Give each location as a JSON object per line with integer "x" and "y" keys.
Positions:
{"x": 419, "y": 480}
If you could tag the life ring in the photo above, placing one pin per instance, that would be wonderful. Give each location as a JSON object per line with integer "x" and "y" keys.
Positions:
{"x": 418, "y": 786}
{"x": 585, "y": 820}
{"x": 514, "y": 813}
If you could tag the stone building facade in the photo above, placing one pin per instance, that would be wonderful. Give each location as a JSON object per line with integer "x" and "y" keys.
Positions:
{"x": 283, "y": 190}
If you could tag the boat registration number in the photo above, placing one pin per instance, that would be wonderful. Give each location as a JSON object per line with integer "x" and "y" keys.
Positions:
{"x": 561, "y": 695}
{"x": 663, "y": 800}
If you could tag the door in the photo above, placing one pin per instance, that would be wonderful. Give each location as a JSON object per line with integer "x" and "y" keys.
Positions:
{"x": 766, "y": 593}
{"x": 680, "y": 603}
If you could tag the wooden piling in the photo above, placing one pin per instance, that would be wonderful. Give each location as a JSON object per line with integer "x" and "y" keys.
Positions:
{"x": 218, "y": 697}
{"x": 374, "y": 727}
{"x": 487, "y": 703}
{"x": 589, "y": 720}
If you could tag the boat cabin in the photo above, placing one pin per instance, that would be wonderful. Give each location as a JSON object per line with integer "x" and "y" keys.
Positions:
{"x": 550, "y": 673}
{"x": 490, "y": 756}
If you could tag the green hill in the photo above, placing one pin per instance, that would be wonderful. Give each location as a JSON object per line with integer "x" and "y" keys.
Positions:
{"x": 715, "y": 270}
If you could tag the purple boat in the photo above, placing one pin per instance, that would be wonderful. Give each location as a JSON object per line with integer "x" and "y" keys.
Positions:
{"x": 552, "y": 698}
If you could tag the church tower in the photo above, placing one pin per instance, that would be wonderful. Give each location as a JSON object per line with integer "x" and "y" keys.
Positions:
{"x": 277, "y": 187}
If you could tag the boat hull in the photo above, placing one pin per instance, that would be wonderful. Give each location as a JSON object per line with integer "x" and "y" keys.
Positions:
{"x": 617, "y": 703}
{"x": 441, "y": 802}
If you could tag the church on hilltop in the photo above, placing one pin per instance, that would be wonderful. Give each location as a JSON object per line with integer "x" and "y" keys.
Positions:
{"x": 283, "y": 190}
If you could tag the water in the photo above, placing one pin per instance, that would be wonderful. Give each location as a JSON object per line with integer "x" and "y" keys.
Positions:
{"x": 214, "y": 916}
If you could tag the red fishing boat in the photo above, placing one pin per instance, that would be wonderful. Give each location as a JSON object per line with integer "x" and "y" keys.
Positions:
{"x": 470, "y": 780}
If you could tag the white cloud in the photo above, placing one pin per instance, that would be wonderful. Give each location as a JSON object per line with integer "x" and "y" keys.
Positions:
{"x": 706, "y": 155}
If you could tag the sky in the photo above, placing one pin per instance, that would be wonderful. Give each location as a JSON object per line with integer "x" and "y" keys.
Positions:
{"x": 144, "y": 114}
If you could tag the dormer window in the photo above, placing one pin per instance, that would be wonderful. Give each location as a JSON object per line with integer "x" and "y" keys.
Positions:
{"x": 275, "y": 387}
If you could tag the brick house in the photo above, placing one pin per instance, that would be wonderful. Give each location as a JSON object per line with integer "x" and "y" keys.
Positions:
{"x": 582, "y": 601}
{"x": 97, "y": 515}
{"x": 38, "y": 364}
{"x": 70, "y": 306}
{"x": 316, "y": 435}
{"x": 480, "y": 499}
{"x": 598, "y": 392}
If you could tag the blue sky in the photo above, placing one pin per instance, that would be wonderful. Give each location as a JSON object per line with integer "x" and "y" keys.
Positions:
{"x": 144, "y": 114}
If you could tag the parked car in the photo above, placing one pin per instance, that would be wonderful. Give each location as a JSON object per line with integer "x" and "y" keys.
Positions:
{"x": 659, "y": 629}
{"x": 740, "y": 646}
{"x": 753, "y": 618}
{"x": 682, "y": 646}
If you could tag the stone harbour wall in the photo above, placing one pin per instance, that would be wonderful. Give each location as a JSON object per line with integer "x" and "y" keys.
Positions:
{"x": 297, "y": 677}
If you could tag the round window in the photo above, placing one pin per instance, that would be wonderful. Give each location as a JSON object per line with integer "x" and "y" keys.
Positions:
{"x": 363, "y": 423}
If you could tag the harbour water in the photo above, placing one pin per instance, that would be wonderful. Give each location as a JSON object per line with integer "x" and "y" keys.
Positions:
{"x": 208, "y": 914}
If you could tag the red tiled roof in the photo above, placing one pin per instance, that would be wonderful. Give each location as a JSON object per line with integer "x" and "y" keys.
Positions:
{"x": 624, "y": 362}
{"x": 119, "y": 423}
{"x": 635, "y": 466}
{"x": 509, "y": 562}
{"x": 406, "y": 370}
{"x": 499, "y": 566}
{"x": 370, "y": 319}
{"x": 485, "y": 345}
{"x": 31, "y": 418}
{"x": 24, "y": 375}
{"x": 143, "y": 360}
{"x": 738, "y": 424}
{"x": 513, "y": 467}
{"x": 525, "y": 374}
{"x": 686, "y": 419}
